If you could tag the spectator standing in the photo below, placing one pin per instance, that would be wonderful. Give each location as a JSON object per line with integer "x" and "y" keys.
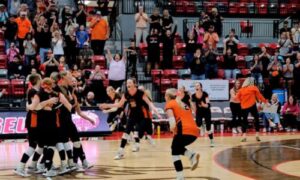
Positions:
{"x": 24, "y": 27}
{"x": 153, "y": 60}
{"x": 296, "y": 75}
{"x": 97, "y": 86}
{"x": 81, "y": 15}
{"x": 117, "y": 69}
{"x": 275, "y": 70}
{"x": 216, "y": 20}
{"x": 3, "y": 15}
{"x": 71, "y": 47}
{"x": 256, "y": 70}
{"x": 43, "y": 38}
{"x": 197, "y": 66}
{"x": 287, "y": 73}
{"x": 285, "y": 45}
{"x": 230, "y": 64}
{"x": 167, "y": 21}
{"x": 211, "y": 37}
{"x": 155, "y": 20}
{"x": 199, "y": 32}
{"x": 82, "y": 36}
{"x": 290, "y": 112}
{"x": 191, "y": 46}
{"x": 132, "y": 57}
{"x": 211, "y": 67}
{"x": 13, "y": 7}
{"x": 141, "y": 22}
{"x": 231, "y": 42}
{"x": 264, "y": 58}
{"x": 86, "y": 53}
{"x": 168, "y": 48}
{"x": 99, "y": 33}
{"x": 295, "y": 31}
{"x": 30, "y": 48}
{"x": 12, "y": 52}
{"x": 58, "y": 45}
{"x": 10, "y": 32}
{"x": 285, "y": 29}
{"x": 50, "y": 65}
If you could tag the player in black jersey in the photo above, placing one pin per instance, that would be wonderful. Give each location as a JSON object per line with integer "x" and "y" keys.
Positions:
{"x": 201, "y": 107}
{"x": 135, "y": 99}
{"x": 31, "y": 125}
{"x": 113, "y": 113}
{"x": 69, "y": 130}
{"x": 48, "y": 101}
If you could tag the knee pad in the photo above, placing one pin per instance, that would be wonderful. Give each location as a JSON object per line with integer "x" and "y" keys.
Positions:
{"x": 29, "y": 151}
{"x": 135, "y": 134}
{"x": 77, "y": 144}
{"x": 175, "y": 158}
{"x": 39, "y": 150}
{"x": 67, "y": 146}
{"x": 60, "y": 146}
{"x": 126, "y": 136}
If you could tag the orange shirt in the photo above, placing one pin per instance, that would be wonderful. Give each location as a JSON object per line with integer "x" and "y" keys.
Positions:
{"x": 99, "y": 29}
{"x": 185, "y": 123}
{"x": 248, "y": 96}
{"x": 211, "y": 39}
{"x": 24, "y": 27}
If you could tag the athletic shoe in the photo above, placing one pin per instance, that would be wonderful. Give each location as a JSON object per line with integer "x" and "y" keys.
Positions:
{"x": 264, "y": 130}
{"x": 234, "y": 131}
{"x": 294, "y": 130}
{"x": 79, "y": 168}
{"x": 272, "y": 124}
{"x": 113, "y": 126}
{"x": 21, "y": 172}
{"x": 244, "y": 140}
{"x": 258, "y": 139}
{"x": 194, "y": 161}
{"x": 86, "y": 165}
{"x": 151, "y": 141}
{"x": 135, "y": 148}
{"x": 239, "y": 129}
{"x": 32, "y": 170}
{"x": 63, "y": 170}
{"x": 40, "y": 169}
{"x": 180, "y": 177}
{"x": 212, "y": 144}
{"x": 50, "y": 173}
{"x": 119, "y": 155}
{"x": 202, "y": 131}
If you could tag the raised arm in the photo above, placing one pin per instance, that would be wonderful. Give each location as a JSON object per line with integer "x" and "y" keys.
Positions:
{"x": 115, "y": 105}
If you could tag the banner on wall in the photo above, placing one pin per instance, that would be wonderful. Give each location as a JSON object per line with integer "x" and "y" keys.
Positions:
{"x": 13, "y": 123}
{"x": 218, "y": 90}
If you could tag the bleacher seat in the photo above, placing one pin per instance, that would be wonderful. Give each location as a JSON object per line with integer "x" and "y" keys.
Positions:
{"x": 99, "y": 60}
{"x": 18, "y": 87}
{"x": 233, "y": 9}
{"x": 283, "y": 9}
{"x": 165, "y": 84}
{"x": 3, "y": 73}
{"x": 184, "y": 73}
{"x": 221, "y": 74}
{"x": 5, "y": 84}
{"x": 243, "y": 8}
{"x": 262, "y": 8}
{"x": 143, "y": 49}
{"x": 243, "y": 49}
{"x": 246, "y": 28}
{"x": 241, "y": 63}
{"x": 178, "y": 62}
{"x": 180, "y": 47}
{"x": 170, "y": 73}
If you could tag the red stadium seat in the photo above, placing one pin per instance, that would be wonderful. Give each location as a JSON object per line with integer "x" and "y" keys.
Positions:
{"x": 143, "y": 49}
{"x": 262, "y": 8}
{"x": 245, "y": 72}
{"x": 241, "y": 63}
{"x": 243, "y": 8}
{"x": 170, "y": 73}
{"x": 243, "y": 49}
{"x": 156, "y": 75}
{"x": 18, "y": 87}
{"x": 292, "y": 8}
{"x": 220, "y": 60}
{"x": 233, "y": 8}
{"x": 3, "y": 61}
{"x": 180, "y": 47}
{"x": 246, "y": 27}
{"x": 272, "y": 48}
{"x": 178, "y": 62}
{"x": 5, "y": 84}
{"x": 99, "y": 60}
{"x": 221, "y": 73}
{"x": 165, "y": 84}
{"x": 283, "y": 9}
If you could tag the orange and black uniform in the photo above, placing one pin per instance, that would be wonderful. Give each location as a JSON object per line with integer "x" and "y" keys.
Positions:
{"x": 113, "y": 115}
{"x": 146, "y": 124}
{"x": 248, "y": 97}
{"x": 31, "y": 120}
{"x": 202, "y": 112}
{"x": 186, "y": 130}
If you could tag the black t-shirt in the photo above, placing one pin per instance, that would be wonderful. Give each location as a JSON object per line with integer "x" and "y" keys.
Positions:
{"x": 166, "y": 21}
{"x": 197, "y": 66}
{"x": 133, "y": 55}
{"x": 232, "y": 45}
{"x": 229, "y": 62}
{"x": 16, "y": 68}
{"x": 153, "y": 42}
{"x": 11, "y": 30}
{"x": 50, "y": 69}
{"x": 156, "y": 24}
{"x": 211, "y": 58}
{"x": 198, "y": 102}
{"x": 81, "y": 19}
{"x": 186, "y": 99}
{"x": 135, "y": 104}
{"x": 265, "y": 63}
{"x": 191, "y": 46}
{"x": 43, "y": 39}
{"x": 285, "y": 30}
{"x": 30, "y": 94}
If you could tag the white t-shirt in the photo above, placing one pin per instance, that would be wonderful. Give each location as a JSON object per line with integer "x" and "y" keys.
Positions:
{"x": 117, "y": 70}
{"x": 58, "y": 48}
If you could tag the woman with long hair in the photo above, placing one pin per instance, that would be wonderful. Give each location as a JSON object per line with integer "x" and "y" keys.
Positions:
{"x": 248, "y": 95}
{"x": 290, "y": 113}
{"x": 235, "y": 107}
{"x": 185, "y": 131}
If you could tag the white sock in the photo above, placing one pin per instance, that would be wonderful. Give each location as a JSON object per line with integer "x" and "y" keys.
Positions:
{"x": 257, "y": 134}
{"x": 21, "y": 165}
{"x": 149, "y": 136}
{"x": 179, "y": 173}
{"x": 188, "y": 153}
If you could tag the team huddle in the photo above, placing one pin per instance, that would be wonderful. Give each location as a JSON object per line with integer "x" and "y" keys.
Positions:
{"x": 52, "y": 101}
{"x": 50, "y": 104}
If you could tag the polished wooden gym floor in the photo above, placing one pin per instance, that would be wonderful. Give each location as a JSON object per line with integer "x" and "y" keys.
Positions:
{"x": 276, "y": 157}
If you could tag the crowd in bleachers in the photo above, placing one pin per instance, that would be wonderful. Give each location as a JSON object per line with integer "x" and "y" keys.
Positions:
{"x": 45, "y": 36}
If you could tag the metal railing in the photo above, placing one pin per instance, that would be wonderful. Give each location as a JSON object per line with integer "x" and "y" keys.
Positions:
{"x": 255, "y": 28}
{"x": 131, "y": 6}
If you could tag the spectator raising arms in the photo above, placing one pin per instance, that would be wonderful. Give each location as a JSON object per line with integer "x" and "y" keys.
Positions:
{"x": 168, "y": 48}
{"x": 10, "y": 32}
{"x": 198, "y": 66}
{"x": 117, "y": 69}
